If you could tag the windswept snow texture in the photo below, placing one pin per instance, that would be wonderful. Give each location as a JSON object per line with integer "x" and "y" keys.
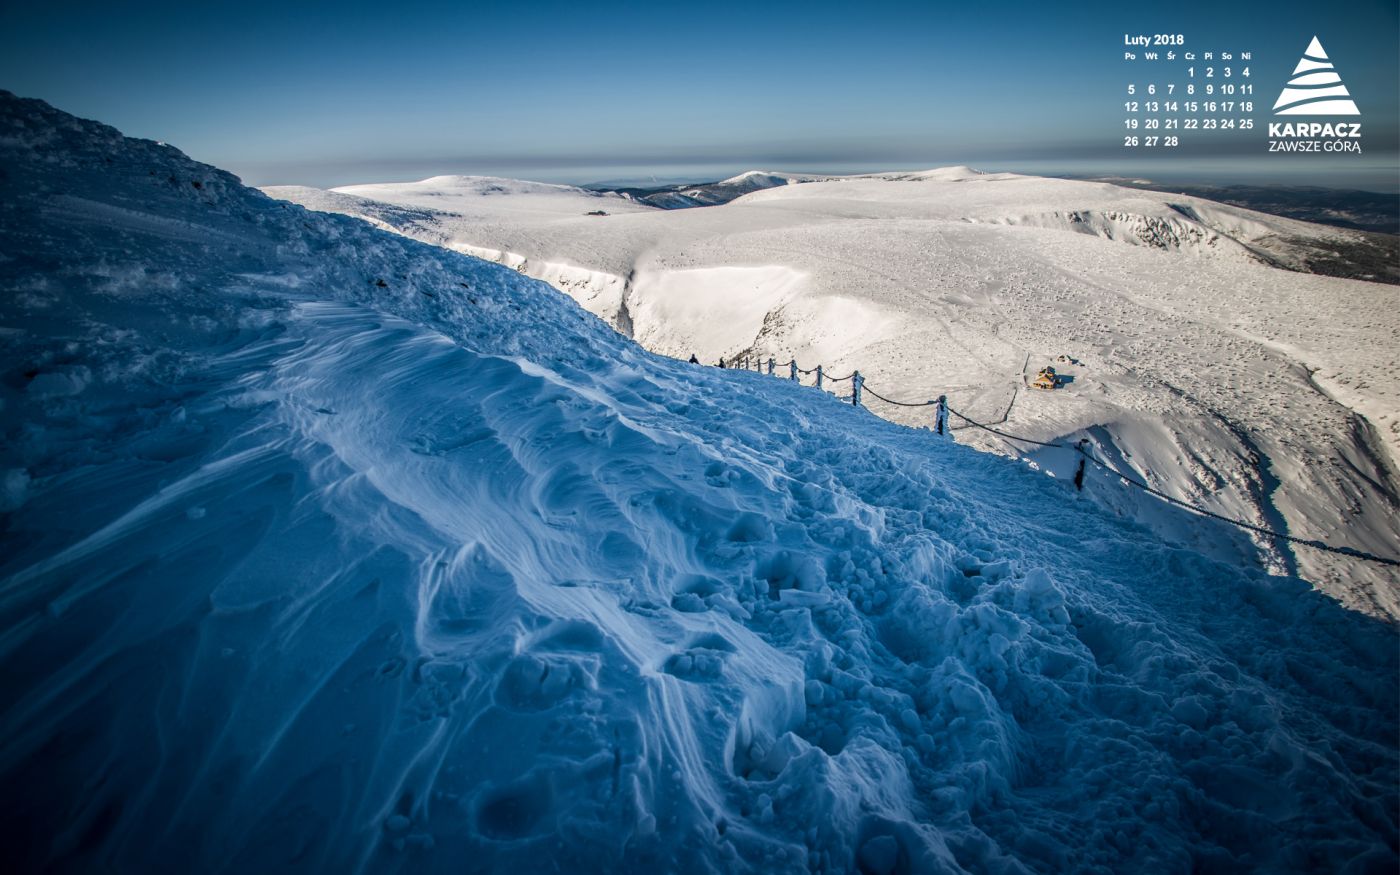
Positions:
{"x": 325, "y": 550}
{"x": 1266, "y": 395}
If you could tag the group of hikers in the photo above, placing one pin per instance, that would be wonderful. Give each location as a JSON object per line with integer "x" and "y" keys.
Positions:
{"x": 696, "y": 361}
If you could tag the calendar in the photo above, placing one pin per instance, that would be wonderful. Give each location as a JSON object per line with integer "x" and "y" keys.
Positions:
{"x": 1174, "y": 91}
{"x": 1177, "y": 94}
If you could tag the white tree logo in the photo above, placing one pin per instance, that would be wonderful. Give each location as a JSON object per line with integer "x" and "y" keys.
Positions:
{"x": 1315, "y": 88}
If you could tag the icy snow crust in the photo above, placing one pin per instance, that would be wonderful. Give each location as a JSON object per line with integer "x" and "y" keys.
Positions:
{"x": 327, "y": 550}
{"x": 1262, "y": 394}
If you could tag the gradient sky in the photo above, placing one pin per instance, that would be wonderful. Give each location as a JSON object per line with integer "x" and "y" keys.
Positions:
{"x": 324, "y": 94}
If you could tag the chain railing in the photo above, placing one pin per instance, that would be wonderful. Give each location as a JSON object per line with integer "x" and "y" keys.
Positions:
{"x": 940, "y": 427}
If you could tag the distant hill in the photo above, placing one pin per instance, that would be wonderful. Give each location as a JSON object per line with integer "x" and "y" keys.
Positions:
{"x": 1345, "y": 208}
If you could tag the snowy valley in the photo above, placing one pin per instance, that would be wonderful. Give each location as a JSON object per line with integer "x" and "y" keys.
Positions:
{"x": 328, "y": 549}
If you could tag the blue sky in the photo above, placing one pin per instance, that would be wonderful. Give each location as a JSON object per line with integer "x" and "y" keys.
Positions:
{"x": 333, "y": 93}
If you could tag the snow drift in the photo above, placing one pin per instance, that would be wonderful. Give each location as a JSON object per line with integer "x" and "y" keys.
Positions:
{"x": 328, "y": 550}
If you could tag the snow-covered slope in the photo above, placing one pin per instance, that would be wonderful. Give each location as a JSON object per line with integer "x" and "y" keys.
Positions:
{"x": 329, "y": 551}
{"x": 1267, "y": 395}
{"x": 523, "y": 212}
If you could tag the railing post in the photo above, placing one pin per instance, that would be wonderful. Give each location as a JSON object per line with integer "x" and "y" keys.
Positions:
{"x": 941, "y": 417}
{"x": 771, "y": 363}
{"x": 856, "y": 380}
{"x": 1079, "y": 474}
{"x": 819, "y": 376}
{"x": 793, "y": 365}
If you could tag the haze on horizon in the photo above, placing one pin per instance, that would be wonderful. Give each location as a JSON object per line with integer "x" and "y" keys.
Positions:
{"x": 331, "y": 94}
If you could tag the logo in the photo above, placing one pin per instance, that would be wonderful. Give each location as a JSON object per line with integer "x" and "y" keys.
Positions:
{"x": 1316, "y": 88}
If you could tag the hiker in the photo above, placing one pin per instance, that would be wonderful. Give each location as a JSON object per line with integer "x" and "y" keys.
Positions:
{"x": 693, "y": 359}
{"x": 721, "y": 362}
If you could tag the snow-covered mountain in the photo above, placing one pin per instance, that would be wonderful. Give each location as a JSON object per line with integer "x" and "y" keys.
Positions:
{"x": 1265, "y": 394}
{"x": 708, "y": 194}
{"x": 327, "y": 550}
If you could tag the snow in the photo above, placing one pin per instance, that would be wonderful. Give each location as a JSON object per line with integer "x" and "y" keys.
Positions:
{"x": 712, "y": 193}
{"x": 693, "y": 298}
{"x": 14, "y": 489}
{"x": 356, "y": 554}
{"x": 1263, "y": 394}
{"x": 755, "y": 180}
{"x": 488, "y": 195}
